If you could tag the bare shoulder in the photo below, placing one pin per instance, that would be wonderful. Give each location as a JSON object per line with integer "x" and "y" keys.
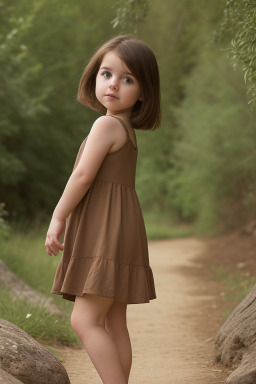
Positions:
{"x": 106, "y": 124}
{"x": 109, "y": 130}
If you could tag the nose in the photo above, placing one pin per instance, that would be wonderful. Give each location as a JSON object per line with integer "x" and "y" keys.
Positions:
{"x": 113, "y": 83}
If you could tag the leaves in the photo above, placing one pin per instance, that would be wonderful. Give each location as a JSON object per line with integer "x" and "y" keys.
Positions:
{"x": 44, "y": 47}
{"x": 130, "y": 14}
{"x": 215, "y": 158}
{"x": 240, "y": 21}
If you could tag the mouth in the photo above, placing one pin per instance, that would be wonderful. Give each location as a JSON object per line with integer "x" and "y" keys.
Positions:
{"x": 111, "y": 95}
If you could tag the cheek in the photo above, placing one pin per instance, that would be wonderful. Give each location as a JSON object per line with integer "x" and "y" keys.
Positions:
{"x": 135, "y": 95}
{"x": 136, "y": 92}
{"x": 98, "y": 88}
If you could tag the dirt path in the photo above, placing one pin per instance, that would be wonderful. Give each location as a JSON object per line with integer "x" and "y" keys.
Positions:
{"x": 173, "y": 336}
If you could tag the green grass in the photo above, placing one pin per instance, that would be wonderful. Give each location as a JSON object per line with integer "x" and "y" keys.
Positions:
{"x": 163, "y": 227}
{"x": 236, "y": 285}
{"x": 35, "y": 320}
{"x": 158, "y": 232}
{"x": 24, "y": 254}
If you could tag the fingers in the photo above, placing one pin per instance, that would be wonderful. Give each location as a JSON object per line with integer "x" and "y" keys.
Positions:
{"x": 53, "y": 246}
{"x": 51, "y": 251}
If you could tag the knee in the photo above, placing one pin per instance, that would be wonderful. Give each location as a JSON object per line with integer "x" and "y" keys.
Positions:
{"x": 82, "y": 324}
{"x": 79, "y": 325}
{"x": 75, "y": 322}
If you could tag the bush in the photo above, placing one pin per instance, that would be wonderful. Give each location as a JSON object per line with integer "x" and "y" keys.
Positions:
{"x": 215, "y": 177}
{"x": 4, "y": 226}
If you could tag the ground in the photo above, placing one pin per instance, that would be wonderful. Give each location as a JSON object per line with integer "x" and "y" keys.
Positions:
{"x": 235, "y": 251}
{"x": 173, "y": 336}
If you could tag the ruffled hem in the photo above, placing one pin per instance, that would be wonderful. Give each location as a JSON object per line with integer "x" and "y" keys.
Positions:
{"x": 130, "y": 284}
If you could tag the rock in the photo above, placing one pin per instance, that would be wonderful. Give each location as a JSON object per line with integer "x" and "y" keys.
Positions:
{"x": 235, "y": 345}
{"x": 27, "y": 360}
{"x": 22, "y": 290}
{"x": 5, "y": 378}
{"x": 245, "y": 373}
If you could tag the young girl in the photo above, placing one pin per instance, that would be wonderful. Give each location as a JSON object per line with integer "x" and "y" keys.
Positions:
{"x": 105, "y": 263}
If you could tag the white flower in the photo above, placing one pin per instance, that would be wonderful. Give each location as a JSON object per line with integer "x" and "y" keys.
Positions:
{"x": 28, "y": 315}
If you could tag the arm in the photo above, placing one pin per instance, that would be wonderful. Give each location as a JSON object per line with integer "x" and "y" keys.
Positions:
{"x": 99, "y": 142}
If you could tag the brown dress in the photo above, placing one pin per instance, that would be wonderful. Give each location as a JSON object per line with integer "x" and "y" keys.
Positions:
{"x": 106, "y": 251}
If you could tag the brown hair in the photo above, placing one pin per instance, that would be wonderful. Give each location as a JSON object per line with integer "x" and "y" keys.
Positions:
{"x": 142, "y": 63}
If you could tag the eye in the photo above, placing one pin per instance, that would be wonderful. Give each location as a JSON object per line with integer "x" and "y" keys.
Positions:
{"x": 106, "y": 74}
{"x": 128, "y": 80}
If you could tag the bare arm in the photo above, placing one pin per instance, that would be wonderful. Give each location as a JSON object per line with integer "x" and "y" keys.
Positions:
{"x": 99, "y": 142}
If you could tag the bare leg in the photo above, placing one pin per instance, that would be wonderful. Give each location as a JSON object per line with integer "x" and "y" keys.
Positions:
{"x": 116, "y": 326}
{"x": 88, "y": 321}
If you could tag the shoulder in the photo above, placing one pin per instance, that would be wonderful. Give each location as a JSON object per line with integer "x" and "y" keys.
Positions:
{"x": 105, "y": 124}
{"x": 106, "y": 128}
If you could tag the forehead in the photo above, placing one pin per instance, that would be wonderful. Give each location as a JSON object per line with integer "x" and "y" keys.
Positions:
{"x": 112, "y": 60}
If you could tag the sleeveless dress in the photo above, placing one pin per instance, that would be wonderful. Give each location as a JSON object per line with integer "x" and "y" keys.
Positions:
{"x": 105, "y": 244}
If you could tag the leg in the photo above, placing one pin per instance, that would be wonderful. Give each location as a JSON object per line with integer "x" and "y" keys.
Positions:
{"x": 88, "y": 321}
{"x": 116, "y": 327}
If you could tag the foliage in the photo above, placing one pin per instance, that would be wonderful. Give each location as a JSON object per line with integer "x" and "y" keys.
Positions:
{"x": 35, "y": 320}
{"x": 44, "y": 47}
{"x": 43, "y": 125}
{"x": 239, "y": 22}
{"x": 4, "y": 226}
{"x": 180, "y": 36}
{"x": 43, "y": 132}
{"x": 18, "y": 104}
{"x": 130, "y": 14}
{"x": 24, "y": 254}
{"x": 214, "y": 177}
{"x": 165, "y": 226}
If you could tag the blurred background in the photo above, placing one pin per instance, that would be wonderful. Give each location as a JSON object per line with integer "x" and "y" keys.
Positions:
{"x": 195, "y": 175}
{"x": 197, "y": 169}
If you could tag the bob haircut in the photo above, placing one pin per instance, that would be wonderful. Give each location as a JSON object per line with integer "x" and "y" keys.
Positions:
{"x": 141, "y": 61}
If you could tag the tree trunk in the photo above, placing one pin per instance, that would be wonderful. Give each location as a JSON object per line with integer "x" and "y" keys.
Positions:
{"x": 235, "y": 345}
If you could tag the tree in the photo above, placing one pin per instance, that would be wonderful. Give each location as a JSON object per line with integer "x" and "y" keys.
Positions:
{"x": 214, "y": 177}
{"x": 43, "y": 122}
{"x": 17, "y": 103}
{"x": 239, "y": 23}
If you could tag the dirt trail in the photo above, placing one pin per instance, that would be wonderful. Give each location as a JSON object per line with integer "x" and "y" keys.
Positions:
{"x": 173, "y": 336}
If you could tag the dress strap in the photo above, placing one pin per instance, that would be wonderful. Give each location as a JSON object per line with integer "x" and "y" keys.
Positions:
{"x": 126, "y": 129}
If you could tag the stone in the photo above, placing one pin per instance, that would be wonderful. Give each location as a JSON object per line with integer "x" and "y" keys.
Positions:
{"x": 5, "y": 378}
{"x": 20, "y": 289}
{"x": 235, "y": 345}
{"x": 28, "y": 361}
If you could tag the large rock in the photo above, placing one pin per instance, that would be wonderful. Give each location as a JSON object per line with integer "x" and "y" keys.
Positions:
{"x": 22, "y": 290}
{"x": 235, "y": 345}
{"x": 27, "y": 360}
{"x": 5, "y": 378}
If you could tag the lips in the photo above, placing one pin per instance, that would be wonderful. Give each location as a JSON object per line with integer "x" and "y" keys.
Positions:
{"x": 111, "y": 95}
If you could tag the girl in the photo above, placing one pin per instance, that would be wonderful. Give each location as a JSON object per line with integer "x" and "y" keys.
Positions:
{"x": 105, "y": 263}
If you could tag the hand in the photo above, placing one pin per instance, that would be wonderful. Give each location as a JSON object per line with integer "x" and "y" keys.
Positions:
{"x": 52, "y": 244}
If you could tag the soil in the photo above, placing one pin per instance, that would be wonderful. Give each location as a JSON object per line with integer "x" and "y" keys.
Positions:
{"x": 173, "y": 336}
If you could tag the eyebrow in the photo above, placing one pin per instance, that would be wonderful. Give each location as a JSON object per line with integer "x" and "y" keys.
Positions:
{"x": 109, "y": 69}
